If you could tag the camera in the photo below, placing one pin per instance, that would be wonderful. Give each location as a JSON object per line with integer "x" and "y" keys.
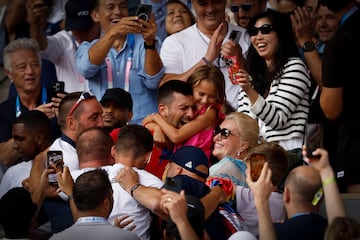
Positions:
{"x": 144, "y": 11}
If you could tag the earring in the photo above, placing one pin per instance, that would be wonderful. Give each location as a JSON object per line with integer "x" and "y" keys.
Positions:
{"x": 238, "y": 154}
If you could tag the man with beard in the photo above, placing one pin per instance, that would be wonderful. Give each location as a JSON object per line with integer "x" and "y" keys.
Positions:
{"x": 175, "y": 105}
{"x": 245, "y": 10}
{"x": 117, "y": 107}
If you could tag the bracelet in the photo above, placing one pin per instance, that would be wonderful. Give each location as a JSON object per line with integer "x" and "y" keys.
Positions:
{"x": 133, "y": 188}
{"x": 328, "y": 181}
{"x": 205, "y": 60}
{"x": 70, "y": 197}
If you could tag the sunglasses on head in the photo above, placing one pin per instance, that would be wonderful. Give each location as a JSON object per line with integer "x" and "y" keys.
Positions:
{"x": 264, "y": 29}
{"x": 245, "y": 7}
{"x": 224, "y": 132}
{"x": 83, "y": 96}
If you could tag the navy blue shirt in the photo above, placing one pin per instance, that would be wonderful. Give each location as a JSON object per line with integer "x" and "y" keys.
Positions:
{"x": 308, "y": 226}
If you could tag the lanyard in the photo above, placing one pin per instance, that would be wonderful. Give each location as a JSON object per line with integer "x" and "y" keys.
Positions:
{"x": 348, "y": 14}
{"x": 130, "y": 41}
{"x": 91, "y": 219}
{"x": 18, "y": 105}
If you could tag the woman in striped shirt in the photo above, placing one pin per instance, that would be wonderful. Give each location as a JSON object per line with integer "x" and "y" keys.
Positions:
{"x": 275, "y": 81}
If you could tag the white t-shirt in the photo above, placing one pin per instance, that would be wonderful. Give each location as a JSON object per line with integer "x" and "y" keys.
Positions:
{"x": 61, "y": 52}
{"x": 14, "y": 176}
{"x": 181, "y": 51}
{"x": 245, "y": 206}
{"x": 125, "y": 204}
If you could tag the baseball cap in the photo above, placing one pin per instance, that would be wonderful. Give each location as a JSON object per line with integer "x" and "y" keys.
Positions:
{"x": 189, "y": 157}
{"x": 78, "y": 15}
{"x": 119, "y": 96}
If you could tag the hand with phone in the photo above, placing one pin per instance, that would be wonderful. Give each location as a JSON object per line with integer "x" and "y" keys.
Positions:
{"x": 148, "y": 25}
{"x": 232, "y": 48}
{"x": 257, "y": 162}
{"x": 313, "y": 139}
{"x": 55, "y": 160}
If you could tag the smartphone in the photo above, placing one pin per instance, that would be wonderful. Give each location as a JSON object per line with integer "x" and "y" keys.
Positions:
{"x": 55, "y": 160}
{"x": 313, "y": 138}
{"x": 235, "y": 36}
{"x": 144, "y": 11}
{"x": 57, "y": 87}
{"x": 257, "y": 161}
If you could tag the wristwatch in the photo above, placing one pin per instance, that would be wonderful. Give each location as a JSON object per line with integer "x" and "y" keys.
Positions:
{"x": 152, "y": 46}
{"x": 308, "y": 46}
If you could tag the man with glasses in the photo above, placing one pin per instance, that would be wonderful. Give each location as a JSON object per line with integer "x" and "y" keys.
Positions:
{"x": 245, "y": 10}
{"x": 202, "y": 43}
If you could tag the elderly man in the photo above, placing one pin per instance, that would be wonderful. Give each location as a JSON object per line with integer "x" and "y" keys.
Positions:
{"x": 22, "y": 66}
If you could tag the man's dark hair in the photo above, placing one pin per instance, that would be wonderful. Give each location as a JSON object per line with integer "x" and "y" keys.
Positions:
{"x": 91, "y": 188}
{"x": 35, "y": 121}
{"x": 167, "y": 90}
{"x": 335, "y": 5}
{"x": 16, "y": 212}
{"x": 136, "y": 139}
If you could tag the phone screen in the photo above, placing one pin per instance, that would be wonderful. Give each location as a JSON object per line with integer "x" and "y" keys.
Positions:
{"x": 55, "y": 161}
{"x": 256, "y": 164}
{"x": 313, "y": 138}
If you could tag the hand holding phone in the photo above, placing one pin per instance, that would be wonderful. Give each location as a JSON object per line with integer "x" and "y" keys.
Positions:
{"x": 144, "y": 11}
{"x": 235, "y": 36}
{"x": 256, "y": 164}
{"x": 57, "y": 87}
{"x": 55, "y": 160}
{"x": 313, "y": 138}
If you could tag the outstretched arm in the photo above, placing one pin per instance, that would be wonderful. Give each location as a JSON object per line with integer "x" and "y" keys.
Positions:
{"x": 262, "y": 189}
{"x": 333, "y": 202}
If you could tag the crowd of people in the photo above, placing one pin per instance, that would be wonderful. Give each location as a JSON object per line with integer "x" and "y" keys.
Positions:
{"x": 186, "y": 123}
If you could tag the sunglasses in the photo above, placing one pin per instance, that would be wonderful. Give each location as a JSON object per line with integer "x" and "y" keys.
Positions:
{"x": 245, "y": 7}
{"x": 264, "y": 29}
{"x": 83, "y": 96}
{"x": 224, "y": 132}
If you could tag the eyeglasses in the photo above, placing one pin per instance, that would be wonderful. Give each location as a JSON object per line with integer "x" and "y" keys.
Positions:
{"x": 264, "y": 29}
{"x": 245, "y": 7}
{"x": 83, "y": 96}
{"x": 224, "y": 132}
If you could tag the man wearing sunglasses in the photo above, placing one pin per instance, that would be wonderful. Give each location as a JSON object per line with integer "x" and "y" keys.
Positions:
{"x": 245, "y": 10}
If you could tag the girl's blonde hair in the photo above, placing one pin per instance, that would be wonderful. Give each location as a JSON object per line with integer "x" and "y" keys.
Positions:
{"x": 212, "y": 74}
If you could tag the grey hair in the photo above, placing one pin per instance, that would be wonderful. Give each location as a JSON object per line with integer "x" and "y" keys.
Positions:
{"x": 17, "y": 44}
